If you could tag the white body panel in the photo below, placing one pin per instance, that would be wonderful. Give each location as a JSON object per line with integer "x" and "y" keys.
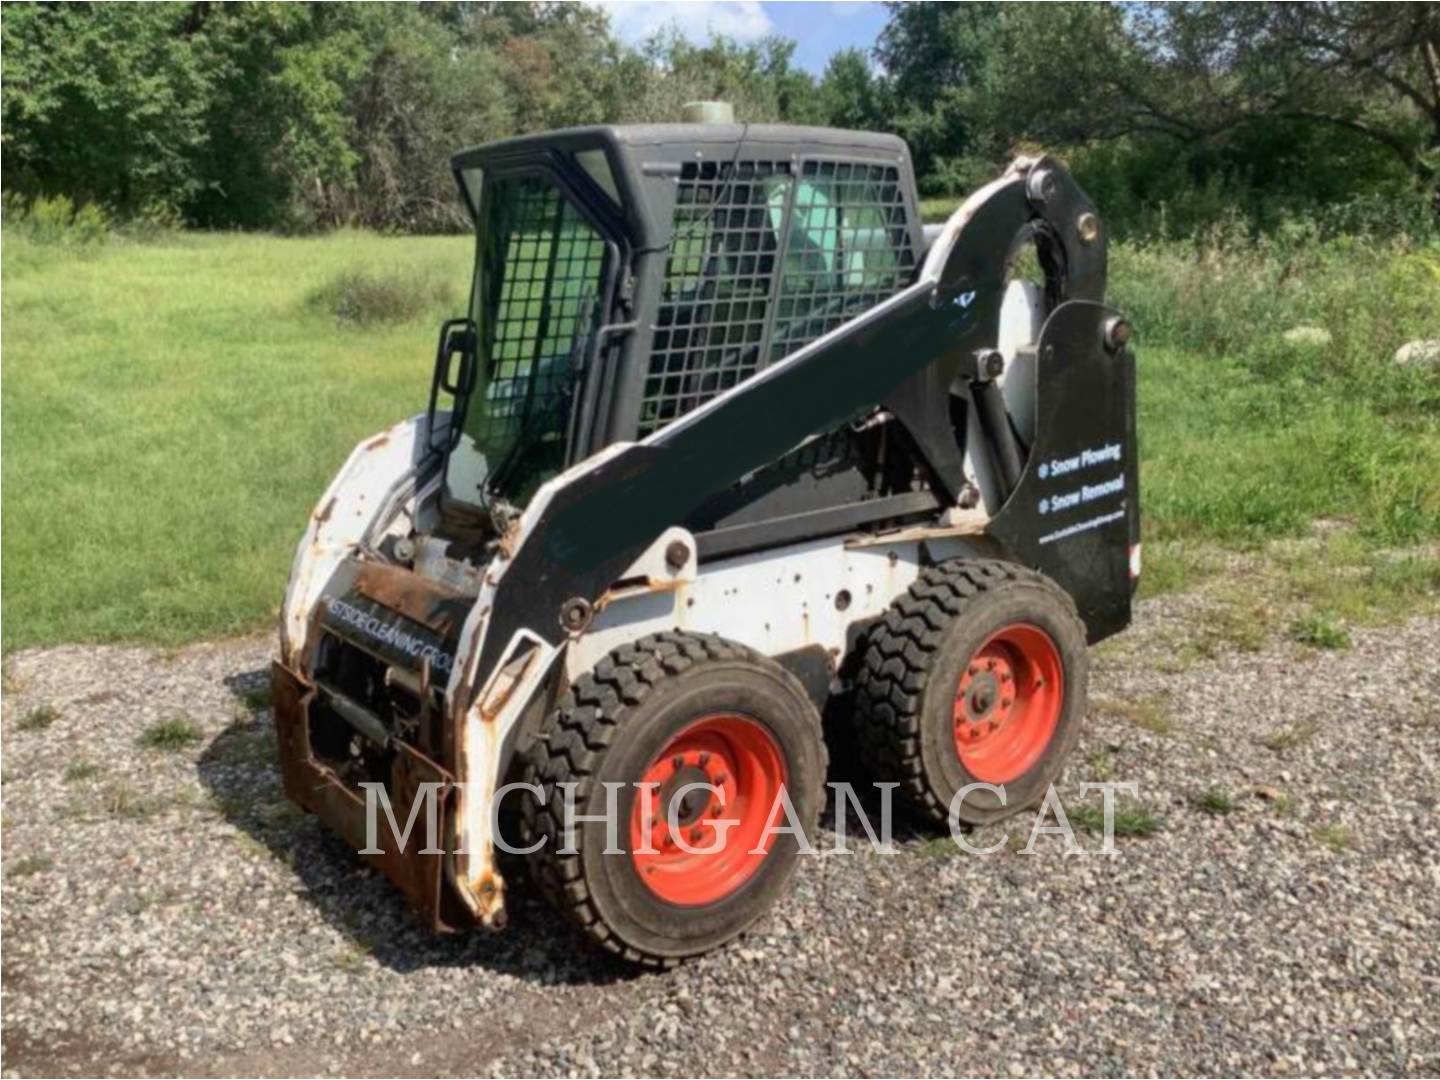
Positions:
{"x": 360, "y": 494}
{"x": 775, "y": 601}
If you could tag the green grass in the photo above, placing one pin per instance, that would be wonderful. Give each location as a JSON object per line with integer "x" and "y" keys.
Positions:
{"x": 1214, "y": 801}
{"x": 1335, "y": 836}
{"x": 935, "y": 211}
{"x": 255, "y": 698}
{"x": 77, "y": 771}
{"x": 1246, "y": 439}
{"x": 174, "y": 734}
{"x": 29, "y": 864}
{"x": 1319, "y": 631}
{"x": 38, "y": 719}
{"x": 1131, "y": 819}
{"x": 174, "y": 408}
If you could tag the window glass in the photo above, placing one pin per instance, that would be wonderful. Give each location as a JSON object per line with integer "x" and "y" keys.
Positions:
{"x": 541, "y": 268}
{"x": 847, "y": 249}
{"x": 597, "y": 165}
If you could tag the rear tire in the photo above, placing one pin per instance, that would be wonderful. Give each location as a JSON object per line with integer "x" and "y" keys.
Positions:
{"x": 672, "y": 709}
{"x": 976, "y": 675}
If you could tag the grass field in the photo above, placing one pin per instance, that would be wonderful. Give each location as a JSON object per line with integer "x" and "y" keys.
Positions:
{"x": 172, "y": 408}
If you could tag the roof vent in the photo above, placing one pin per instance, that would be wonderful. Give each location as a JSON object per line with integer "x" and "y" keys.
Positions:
{"x": 707, "y": 112}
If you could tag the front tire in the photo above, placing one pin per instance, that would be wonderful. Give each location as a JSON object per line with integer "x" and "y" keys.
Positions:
{"x": 666, "y": 711}
{"x": 977, "y": 675}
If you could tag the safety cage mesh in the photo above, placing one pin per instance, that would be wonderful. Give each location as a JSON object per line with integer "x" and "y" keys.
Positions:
{"x": 848, "y": 248}
{"x": 541, "y": 275}
{"x": 763, "y": 261}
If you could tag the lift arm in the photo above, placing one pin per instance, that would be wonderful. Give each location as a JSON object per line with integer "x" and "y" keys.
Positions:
{"x": 582, "y": 531}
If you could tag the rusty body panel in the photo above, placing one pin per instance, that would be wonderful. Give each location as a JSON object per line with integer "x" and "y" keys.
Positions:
{"x": 429, "y": 603}
{"x": 317, "y": 788}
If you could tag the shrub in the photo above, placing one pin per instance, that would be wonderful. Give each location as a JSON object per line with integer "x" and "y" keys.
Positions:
{"x": 57, "y": 220}
{"x": 368, "y": 298}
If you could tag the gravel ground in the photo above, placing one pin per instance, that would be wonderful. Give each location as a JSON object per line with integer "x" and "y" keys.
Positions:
{"x": 166, "y": 912}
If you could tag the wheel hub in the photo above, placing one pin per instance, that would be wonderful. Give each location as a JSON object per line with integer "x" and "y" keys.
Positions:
{"x": 1007, "y": 703}
{"x": 696, "y": 800}
{"x": 697, "y": 846}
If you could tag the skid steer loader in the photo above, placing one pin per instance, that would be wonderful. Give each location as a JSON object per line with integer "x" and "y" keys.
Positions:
{"x": 725, "y": 436}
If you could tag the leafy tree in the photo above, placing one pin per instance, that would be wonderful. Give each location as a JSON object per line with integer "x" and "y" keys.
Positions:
{"x": 1258, "y": 106}
{"x": 105, "y": 104}
{"x": 1199, "y": 72}
{"x": 850, "y": 96}
{"x": 313, "y": 115}
{"x": 938, "y": 56}
{"x": 759, "y": 79}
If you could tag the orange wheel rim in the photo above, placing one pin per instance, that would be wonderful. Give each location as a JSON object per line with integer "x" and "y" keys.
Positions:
{"x": 741, "y": 761}
{"x": 1007, "y": 703}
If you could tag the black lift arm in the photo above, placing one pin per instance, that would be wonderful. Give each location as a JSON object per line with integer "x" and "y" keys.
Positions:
{"x": 579, "y": 535}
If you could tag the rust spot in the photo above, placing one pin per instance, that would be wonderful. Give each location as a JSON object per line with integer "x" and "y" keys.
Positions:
{"x": 378, "y": 441}
{"x": 505, "y": 683}
{"x": 505, "y": 545}
{"x": 427, "y": 602}
{"x": 322, "y": 515}
{"x": 311, "y": 783}
{"x": 637, "y": 586}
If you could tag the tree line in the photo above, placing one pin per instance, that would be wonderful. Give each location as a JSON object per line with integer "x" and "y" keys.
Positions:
{"x": 305, "y": 116}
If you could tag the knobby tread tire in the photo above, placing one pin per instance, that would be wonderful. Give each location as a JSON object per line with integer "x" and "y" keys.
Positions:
{"x": 579, "y": 730}
{"x": 899, "y": 654}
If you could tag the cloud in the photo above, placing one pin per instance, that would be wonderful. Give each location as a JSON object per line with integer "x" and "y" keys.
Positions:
{"x": 636, "y": 20}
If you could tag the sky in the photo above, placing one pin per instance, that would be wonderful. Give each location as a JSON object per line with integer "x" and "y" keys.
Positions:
{"x": 819, "y": 29}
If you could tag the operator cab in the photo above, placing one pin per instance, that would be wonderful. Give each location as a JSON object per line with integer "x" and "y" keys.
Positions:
{"x": 626, "y": 275}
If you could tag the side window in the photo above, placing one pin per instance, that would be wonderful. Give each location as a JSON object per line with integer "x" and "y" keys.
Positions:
{"x": 719, "y": 278}
{"x": 847, "y": 249}
{"x": 745, "y": 287}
